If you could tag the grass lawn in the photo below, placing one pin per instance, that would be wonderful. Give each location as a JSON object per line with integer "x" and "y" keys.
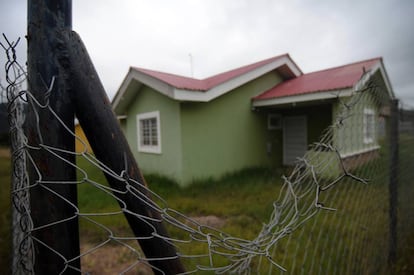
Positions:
{"x": 240, "y": 203}
{"x": 352, "y": 239}
{"x": 240, "y": 198}
{"x": 244, "y": 201}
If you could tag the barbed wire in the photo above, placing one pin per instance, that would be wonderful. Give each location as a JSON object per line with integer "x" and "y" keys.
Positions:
{"x": 296, "y": 210}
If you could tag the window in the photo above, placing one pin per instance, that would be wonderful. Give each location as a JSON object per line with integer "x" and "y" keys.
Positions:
{"x": 369, "y": 125}
{"x": 274, "y": 121}
{"x": 149, "y": 132}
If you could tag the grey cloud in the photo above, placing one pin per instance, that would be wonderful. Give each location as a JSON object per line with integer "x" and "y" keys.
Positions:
{"x": 222, "y": 35}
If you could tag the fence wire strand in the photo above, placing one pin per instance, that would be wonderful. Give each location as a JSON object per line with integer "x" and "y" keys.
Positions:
{"x": 22, "y": 244}
{"x": 330, "y": 216}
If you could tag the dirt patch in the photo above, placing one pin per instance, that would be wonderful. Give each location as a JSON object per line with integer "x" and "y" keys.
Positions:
{"x": 4, "y": 152}
{"x": 115, "y": 258}
{"x": 211, "y": 220}
{"x": 112, "y": 259}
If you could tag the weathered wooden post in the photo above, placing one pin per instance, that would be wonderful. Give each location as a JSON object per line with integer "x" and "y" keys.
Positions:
{"x": 56, "y": 233}
{"x": 94, "y": 111}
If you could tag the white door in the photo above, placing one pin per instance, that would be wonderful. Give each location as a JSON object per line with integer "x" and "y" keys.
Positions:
{"x": 295, "y": 138}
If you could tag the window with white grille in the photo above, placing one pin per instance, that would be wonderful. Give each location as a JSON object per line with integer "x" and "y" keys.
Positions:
{"x": 149, "y": 132}
{"x": 369, "y": 126}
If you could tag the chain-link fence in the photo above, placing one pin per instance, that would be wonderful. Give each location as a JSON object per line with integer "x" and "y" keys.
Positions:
{"x": 343, "y": 209}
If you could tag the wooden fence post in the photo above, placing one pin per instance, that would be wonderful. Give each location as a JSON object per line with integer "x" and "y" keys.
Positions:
{"x": 57, "y": 240}
{"x": 102, "y": 129}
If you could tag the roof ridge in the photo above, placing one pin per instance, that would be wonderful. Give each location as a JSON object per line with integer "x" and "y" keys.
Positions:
{"x": 163, "y": 72}
{"x": 346, "y": 65}
{"x": 224, "y": 76}
{"x": 211, "y": 81}
{"x": 264, "y": 61}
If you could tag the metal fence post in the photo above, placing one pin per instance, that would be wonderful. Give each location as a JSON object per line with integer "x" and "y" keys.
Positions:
{"x": 53, "y": 206}
{"x": 393, "y": 182}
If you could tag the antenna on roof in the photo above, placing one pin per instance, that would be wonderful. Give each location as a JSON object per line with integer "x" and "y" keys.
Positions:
{"x": 191, "y": 65}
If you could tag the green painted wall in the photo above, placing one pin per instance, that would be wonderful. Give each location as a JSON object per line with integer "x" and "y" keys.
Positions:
{"x": 207, "y": 140}
{"x": 225, "y": 135}
{"x": 169, "y": 162}
{"x": 349, "y": 136}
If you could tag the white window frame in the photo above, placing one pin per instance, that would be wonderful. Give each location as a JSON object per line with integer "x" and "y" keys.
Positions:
{"x": 369, "y": 122}
{"x": 154, "y": 149}
{"x": 271, "y": 118}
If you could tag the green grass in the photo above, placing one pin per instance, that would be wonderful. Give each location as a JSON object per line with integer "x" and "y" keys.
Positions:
{"x": 249, "y": 192}
{"x": 243, "y": 197}
{"x": 352, "y": 239}
{"x": 245, "y": 200}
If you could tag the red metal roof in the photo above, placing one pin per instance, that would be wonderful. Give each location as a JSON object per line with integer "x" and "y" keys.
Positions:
{"x": 326, "y": 80}
{"x": 188, "y": 83}
{"x": 177, "y": 81}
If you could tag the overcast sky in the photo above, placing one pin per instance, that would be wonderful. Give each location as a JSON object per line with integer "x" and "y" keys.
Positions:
{"x": 218, "y": 35}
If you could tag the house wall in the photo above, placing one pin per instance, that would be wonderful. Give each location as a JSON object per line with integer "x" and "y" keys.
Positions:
{"x": 349, "y": 135}
{"x": 225, "y": 135}
{"x": 169, "y": 162}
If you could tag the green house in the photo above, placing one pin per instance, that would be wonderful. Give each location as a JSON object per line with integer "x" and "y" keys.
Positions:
{"x": 264, "y": 114}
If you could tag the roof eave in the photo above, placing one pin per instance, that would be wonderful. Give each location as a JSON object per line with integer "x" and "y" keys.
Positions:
{"x": 117, "y": 101}
{"x": 321, "y": 95}
{"x": 387, "y": 80}
{"x": 123, "y": 97}
{"x": 305, "y": 97}
{"x": 367, "y": 76}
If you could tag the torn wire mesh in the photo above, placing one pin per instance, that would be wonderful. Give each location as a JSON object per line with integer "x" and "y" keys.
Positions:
{"x": 321, "y": 221}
